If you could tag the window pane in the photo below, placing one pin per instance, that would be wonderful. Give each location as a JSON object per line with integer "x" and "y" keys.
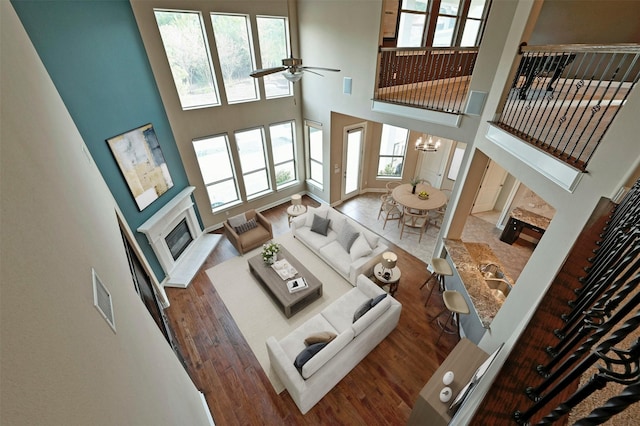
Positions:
{"x": 393, "y": 140}
{"x": 449, "y": 7}
{"x": 470, "y": 33}
{"x": 285, "y": 173}
{"x": 316, "y": 172}
{"x": 274, "y": 46}
{"x": 281, "y": 142}
{"x": 252, "y": 160}
{"x": 216, "y": 169}
{"x": 236, "y": 56}
{"x": 444, "y": 31}
{"x": 417, "y": 5}
{"x": 410, "y": 30}
{"x": 185, "y": 44}
{"x": 476, "y": 9}
{"x": 222, "y": 193}
{"x": 390, "y": 166}
{"x": 315, "y": 144}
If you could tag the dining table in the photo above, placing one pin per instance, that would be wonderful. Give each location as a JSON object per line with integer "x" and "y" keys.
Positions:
{"x": 403, "y": 194}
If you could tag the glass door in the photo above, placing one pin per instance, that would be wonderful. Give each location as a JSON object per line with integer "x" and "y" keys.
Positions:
{"x": 351, "y": 162}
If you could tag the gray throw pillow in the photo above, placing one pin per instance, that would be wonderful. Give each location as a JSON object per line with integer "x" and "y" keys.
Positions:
{"x": 362, "y": 309}
{"x": 320, "y": 225}
{"x": 248, "y": 225}
{"x": 308, "y": 353}
{"x": 377, "y": 299}
{"x": 347, "y": 237}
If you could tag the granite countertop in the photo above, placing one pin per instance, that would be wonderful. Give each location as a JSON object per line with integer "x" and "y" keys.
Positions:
{"x": 530, "y": 217}
{"x": 465, "y": 257}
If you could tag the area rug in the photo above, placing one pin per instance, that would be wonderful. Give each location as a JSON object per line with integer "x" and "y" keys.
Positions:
{"x": 253, "y": 309}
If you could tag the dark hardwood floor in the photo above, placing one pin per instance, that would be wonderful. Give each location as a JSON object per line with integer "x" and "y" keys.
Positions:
{"x": 381, "y": 390}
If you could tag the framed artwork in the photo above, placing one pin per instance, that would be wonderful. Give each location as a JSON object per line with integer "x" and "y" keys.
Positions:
{"x": 142, "y": 164}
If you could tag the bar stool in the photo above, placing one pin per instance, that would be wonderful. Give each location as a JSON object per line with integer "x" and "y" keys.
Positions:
{"x": 441, "y": 269}
{"x": 456, "y": 304}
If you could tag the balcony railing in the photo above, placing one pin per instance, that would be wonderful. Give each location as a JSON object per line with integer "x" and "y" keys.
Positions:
{"x": 428, "y": 77}
{"x": 564, "y": 98}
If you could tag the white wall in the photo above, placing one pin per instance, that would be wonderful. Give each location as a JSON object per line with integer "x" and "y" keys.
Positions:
{"x": 61, "y": 363}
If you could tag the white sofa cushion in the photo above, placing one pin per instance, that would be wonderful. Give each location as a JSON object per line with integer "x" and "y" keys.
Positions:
{"x": 314, "y": 240}
{"x": 338, "y": 255}
{"x": 338, "y": 220}
{"x": 321, "y": 211}
{"x": 359, "y": 248}
{"x": 340, "y": 313}
{"x": 326, "y": 353}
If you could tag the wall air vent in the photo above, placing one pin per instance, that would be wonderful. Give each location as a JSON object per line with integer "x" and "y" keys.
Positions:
{"x": 102, "y": 300}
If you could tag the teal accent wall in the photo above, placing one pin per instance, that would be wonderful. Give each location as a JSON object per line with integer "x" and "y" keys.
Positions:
{"x": 94, "y": 54}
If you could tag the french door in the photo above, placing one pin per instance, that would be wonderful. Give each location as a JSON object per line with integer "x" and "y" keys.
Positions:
{"x": 352, "y": 161}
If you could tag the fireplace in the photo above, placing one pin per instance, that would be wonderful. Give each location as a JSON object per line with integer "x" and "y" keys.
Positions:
{"x": 179, "y": 239}
{"x": 175, "y": 235}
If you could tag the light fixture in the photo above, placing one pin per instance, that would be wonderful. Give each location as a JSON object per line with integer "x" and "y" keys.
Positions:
{"x": 293, "y": 76}
{"x": 428, "y": 146}
{"x": 388, "y": 262}
{"x": 296, "y": 202}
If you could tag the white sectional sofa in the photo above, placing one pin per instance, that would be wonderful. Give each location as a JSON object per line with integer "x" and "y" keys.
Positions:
{"x": 363, "y": 254}
{"x": 353, "y": 341}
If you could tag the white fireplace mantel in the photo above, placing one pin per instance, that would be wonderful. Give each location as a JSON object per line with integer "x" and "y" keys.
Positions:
{"x": 181, "y": 271}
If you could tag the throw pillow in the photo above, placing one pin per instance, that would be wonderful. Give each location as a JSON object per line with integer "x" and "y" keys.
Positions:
{"x": 359, "y": 248}
{"x": 320, "y": 337}
{"x": 377, "y": 299}
{"x": 237, "y": 220}
{"x": 248, "y": 225}
{"x": 311, "y": 211}
{"x": 347, "y": 237}
{"x": 308, "y": 353}
{"x": 372, "y": 239}
{"x": 362, "y": 309}
{"x": 320, "y": 225}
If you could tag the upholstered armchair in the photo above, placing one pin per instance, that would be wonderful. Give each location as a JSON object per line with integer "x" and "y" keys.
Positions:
{"x": 248, "y": 230}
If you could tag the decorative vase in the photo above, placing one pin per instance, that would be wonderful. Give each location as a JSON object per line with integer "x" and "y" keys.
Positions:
{"x": 413, "y": 191}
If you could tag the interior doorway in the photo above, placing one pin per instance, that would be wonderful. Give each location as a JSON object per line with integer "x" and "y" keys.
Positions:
{"x": 352, "y": 160}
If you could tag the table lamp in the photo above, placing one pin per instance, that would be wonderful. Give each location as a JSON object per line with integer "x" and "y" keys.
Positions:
{"x": 388, "y": 262}
{"x": 296, "y": 201}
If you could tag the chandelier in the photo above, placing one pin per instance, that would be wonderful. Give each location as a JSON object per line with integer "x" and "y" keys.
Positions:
{"x": 428, "y": 146}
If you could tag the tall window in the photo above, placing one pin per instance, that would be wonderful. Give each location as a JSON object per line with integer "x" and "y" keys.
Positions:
{"x": 235, "y": 52}
{"x": 393, "y": 147}
{"x": 446, "y": 23}
{"x": 441, "y": 23}
{"x": 273, "y": 38}
{"x": 413, "y": 18}
{"x": 185, "y": 44}
{"x": 253, "y": 161}
{"x": 282, "y": 147}
{"x": 216, "y": 167}
{"x": 314, "y": 152}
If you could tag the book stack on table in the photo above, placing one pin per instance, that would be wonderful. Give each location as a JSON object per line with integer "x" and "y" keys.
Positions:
{"x": 296, "y": 285}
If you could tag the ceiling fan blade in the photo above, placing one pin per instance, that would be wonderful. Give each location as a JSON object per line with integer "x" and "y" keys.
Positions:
{"x": 313, "y": 72}
{"x": 320, "y": 68}
{"x": 266, "y": 71}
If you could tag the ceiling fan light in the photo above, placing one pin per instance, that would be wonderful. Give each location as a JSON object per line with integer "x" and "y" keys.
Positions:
{"x": 293, "y": 76}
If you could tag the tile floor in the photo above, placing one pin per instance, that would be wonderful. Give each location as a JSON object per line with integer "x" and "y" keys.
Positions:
{"x": 364, "y": 209}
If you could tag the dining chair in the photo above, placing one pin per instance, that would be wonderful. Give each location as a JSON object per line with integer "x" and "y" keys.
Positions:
{"x": 391, "y": 185}
{"x": 390, "y": 209}
{"x": 415, "y": 222}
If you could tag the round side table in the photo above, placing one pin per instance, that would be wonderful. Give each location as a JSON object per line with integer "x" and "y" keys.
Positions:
{"x": 392, "y": 280}
{"x": 295, "y": 211}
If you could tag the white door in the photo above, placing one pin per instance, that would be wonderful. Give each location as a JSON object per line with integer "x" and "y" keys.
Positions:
{"x": 494, "y": 177}
{"x": 434, "y": 164}
{"x": 351, "y": 161}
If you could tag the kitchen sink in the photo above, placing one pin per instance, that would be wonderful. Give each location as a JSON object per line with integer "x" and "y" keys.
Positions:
{"x": 495, "y": 279}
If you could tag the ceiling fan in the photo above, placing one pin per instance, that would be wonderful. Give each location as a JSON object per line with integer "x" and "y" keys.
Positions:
{"x": 293, "y": 70}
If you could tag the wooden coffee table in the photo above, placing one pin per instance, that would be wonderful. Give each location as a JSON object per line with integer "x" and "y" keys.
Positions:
{"x": 290, "y": 303}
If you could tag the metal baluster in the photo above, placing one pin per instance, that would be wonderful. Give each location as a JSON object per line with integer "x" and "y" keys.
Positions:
{"x": 617, "y": 404}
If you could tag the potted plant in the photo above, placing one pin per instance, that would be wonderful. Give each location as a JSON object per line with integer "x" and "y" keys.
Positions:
{"x": 414, "y": 182}
{"x": 270, "y": 252}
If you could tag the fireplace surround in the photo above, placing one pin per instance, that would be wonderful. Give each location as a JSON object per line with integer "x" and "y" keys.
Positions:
{"x": 170, "y": 225}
